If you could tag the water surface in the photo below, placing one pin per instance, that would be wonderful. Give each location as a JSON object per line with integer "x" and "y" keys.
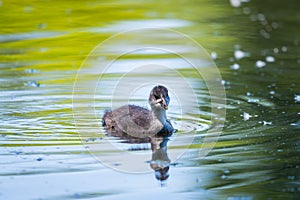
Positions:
{"x": 255, "y": 46}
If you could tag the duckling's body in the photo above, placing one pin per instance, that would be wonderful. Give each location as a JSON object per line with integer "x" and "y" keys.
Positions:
{"x": 139, "y": 122}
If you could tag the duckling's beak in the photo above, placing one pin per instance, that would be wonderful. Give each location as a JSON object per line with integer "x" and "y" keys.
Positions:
{"x": 164, "y": 103}
{"x": 165, "y": 106}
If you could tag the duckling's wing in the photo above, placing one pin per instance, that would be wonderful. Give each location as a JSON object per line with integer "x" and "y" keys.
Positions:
{"x": 131, "y": 113}
{"x": 136, "y": 121}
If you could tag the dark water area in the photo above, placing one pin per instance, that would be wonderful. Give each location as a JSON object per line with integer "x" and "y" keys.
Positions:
{"x": 55, "y": 87}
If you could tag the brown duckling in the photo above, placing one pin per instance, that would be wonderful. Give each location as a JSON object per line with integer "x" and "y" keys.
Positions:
{"x": 139, "y": 122}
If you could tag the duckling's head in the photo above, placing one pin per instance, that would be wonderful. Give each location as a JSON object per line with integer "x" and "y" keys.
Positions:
{"x": 162, "y": 174}
{"x": 159, "y": 98}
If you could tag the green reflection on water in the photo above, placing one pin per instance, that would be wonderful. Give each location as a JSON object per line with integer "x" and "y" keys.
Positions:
{"x": 43, "y": 44}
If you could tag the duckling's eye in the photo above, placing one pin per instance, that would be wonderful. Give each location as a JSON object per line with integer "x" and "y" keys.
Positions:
{"x": 156, "y": 97}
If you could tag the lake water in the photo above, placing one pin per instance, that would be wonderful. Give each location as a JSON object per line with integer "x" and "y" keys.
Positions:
{"x": 232, "y": 70}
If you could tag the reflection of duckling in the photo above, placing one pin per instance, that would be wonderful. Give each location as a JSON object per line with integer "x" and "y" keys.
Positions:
{"x": 160, "y": 161}
{"x": 138, "y": 122}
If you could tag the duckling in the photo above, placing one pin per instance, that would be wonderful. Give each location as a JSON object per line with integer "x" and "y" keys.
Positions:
{"x": 139, "y": 122}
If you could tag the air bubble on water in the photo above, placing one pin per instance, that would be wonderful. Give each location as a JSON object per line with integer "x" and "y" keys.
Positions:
{"x": 223, "y": 82}
{"x": 284, "y": 49}
{"x": 238, "y": 54}
{"x": 235, "y": 66}
{"x": 264, "y": 33}
{"x": 260, "y": 64}
{"x": 264, "y": 23}
{"x": 246, "y": 116}
{"x": 226, "y": 171}
{"x": 265, "y": 123}
{"x": 214, "y": 55}
{"x": 223, "y": 176}
{"x": 272, "y": 92}
{"x": 235, "y": 3}
{"x": 261, "y": 17}
{"x": 276, "y": 50}
{"x": 270, "y": 59}
{"x": 274, "y": 25}
{"x": 297, "y": 98}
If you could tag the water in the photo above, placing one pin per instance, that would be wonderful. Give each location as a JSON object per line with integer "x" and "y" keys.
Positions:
{"x": 255, "y": 46}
